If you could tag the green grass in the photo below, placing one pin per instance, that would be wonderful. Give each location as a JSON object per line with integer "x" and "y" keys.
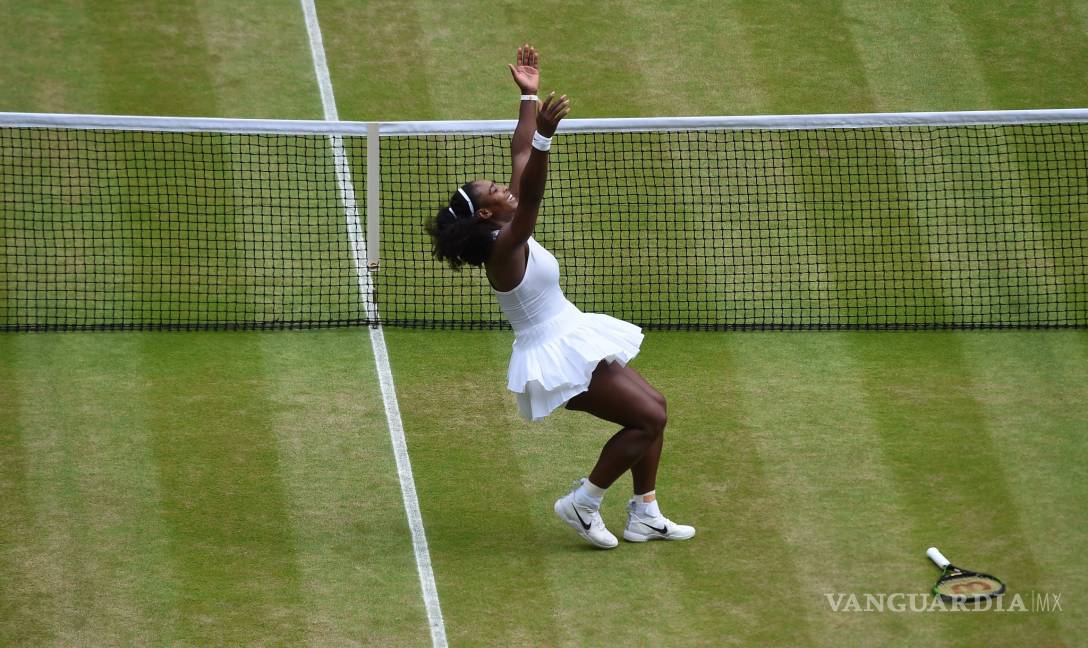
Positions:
{"x": 202, "y": 59}
{"x": 426, "y": 60}
{"x": 228, "y": 488}
{"x": 811, "y": 464}
{"x": 199, "y": 489}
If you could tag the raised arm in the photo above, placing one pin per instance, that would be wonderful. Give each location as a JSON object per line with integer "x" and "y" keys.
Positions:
{"x": 535, "y": 175}
{"x": 527, "y": 76}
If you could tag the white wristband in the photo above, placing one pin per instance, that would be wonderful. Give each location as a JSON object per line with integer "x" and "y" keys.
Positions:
{"x": 541, "y": 143}
{"x": 530, "y": 98}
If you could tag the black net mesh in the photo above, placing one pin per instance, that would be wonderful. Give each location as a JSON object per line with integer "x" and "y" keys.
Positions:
{"x": 904, "y": 227}
{"x": 920, "y": 227}
{"x": 133, "y": 229}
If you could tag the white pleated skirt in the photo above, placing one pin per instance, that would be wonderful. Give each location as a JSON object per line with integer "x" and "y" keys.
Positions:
{"x": 553, "y": 361}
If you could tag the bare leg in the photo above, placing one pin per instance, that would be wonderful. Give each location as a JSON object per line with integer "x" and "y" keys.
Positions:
{"x": 615, "y": 397}
{"x": 644, "y": 471}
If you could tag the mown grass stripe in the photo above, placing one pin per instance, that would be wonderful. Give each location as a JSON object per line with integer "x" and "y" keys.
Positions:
{"x": 23, "y": 596}
{"x": 807, "y": 61}
{"x": 194, "y": 59}
{"x": 135, "y": 65}
{"x": 222, "y": 494}
{"x": 897, "y": 43}
{"x": 572, "y": 63}
{"x": 428, "y": 588}
{"x": 483, "y": 513}
{"x": 36, "y": 39}
{"x": 1080, "y": 12}
{"x": 740, "y": 572}
{"x": 688, "y": 58}
{"x": 845, "y": 526}
{"x": 357, "y": 572}
{"x": 413, "y": 68}
{"x": 385, "y": 75}
{"x": 951, "y": 476}
{"x": 92, "y": 542}
{"x": 552, "y": 454}
{"x": 1034, "y": 395}
{"x": 1029, "y": 52}
{"x": 247, "y": 81}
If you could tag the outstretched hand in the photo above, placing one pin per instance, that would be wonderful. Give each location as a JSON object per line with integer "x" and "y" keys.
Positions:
{"x": 527, "y": 72}
{"x": 553, "y": 110}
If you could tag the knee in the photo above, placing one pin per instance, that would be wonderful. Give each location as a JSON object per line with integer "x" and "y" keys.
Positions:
{"x": 656, "y": 419}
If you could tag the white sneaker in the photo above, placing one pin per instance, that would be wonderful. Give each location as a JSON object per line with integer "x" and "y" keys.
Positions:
{"x": 641, "y": 529}
{"x": 587, "y": 522}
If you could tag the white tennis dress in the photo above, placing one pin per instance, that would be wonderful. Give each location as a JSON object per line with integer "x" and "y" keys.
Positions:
{"x": 557, "y": 346}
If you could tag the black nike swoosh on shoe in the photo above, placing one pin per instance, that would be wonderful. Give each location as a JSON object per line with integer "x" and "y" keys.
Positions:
{"x": 663, "y": 530}
{"x": 584, "y": 525}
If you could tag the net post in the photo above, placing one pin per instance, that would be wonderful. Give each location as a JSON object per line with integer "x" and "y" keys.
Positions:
{"x": 373, "y": 188}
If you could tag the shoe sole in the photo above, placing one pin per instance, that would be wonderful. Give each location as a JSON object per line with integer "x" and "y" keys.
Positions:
{"x": 577, "y": 526}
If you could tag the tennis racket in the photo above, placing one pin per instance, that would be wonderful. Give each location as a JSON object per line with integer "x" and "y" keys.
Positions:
{"x": 962, "y": 585}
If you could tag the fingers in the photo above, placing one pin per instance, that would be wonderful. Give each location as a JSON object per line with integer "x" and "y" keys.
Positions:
{"x": 546, "y": 106}
{"x": 554, "y": 109}
{"x": 551, "y": 112}
{"x": 528, "y": 56}
{"x": 560, "y": 107}
{"x": 564, "y": 108}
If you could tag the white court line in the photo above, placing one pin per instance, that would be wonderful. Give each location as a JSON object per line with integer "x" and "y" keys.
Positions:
{"x": 377, "y": 337}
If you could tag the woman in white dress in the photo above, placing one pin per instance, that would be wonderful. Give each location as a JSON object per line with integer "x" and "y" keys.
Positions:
{"x": 561, "y": 356}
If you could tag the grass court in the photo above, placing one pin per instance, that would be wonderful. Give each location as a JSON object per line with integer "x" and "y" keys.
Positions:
{"x": 227, "y": 488}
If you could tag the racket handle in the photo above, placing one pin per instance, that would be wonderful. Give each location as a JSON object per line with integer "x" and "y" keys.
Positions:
{"x": 937, "y": 557}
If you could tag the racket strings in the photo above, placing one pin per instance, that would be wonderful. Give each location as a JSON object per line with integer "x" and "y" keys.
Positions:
{"x": 969, "y": 586}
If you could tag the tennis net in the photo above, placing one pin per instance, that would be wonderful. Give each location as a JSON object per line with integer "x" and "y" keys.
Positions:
{"x": 886, "y": 221}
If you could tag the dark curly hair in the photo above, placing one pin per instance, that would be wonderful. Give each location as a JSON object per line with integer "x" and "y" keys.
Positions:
{"x": 459, "y": 236}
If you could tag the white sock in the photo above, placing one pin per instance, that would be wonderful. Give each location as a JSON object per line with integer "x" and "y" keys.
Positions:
{"x": 589, "y": 495}
{"x": 644, "y": 508}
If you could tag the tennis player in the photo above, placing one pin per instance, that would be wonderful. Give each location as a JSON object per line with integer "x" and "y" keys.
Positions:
{"x": 560, "y": 355}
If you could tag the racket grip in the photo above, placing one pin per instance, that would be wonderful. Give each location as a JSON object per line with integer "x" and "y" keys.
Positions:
{"x": 937, "y": 557}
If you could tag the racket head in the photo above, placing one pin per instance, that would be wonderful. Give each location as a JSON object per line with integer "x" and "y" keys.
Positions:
{"x": 965, "y": 586}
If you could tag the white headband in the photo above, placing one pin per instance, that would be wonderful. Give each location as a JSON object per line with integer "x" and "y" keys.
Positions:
{"x": 471, "y": 207}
